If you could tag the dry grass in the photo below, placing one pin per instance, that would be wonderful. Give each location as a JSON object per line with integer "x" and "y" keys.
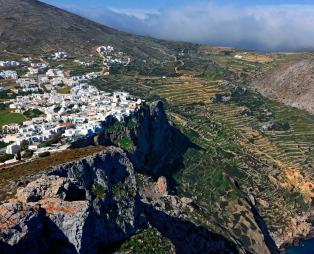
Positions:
{"x": 257, "y": 58}
{"x": 14, "y": 172}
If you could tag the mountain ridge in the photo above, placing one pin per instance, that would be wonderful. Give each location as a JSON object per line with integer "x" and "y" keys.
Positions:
{"x": 28, "y": 26}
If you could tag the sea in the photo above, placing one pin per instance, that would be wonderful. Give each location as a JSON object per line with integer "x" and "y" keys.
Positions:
{"x": 306, "y": 247}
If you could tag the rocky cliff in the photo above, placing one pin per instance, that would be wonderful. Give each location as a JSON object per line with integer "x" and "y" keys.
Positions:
{"x": 74, "y": 208}
{"x": 152, "y": 143}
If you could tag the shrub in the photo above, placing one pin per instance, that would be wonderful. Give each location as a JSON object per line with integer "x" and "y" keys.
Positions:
{"x": 6, "y": 157}
{"x": 125, "y": 143}
{"x": 3, "y": 144}
{"x": 98, "y": 191}
{"x": 55, "y": 139}
{"x": 27, "y": 154}
{"x": 44, "y": 154}
{"x": 32, "y": 113}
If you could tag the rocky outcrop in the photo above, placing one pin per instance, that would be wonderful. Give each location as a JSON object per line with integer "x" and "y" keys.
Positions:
{"x": 162, "y": 185}
{"x": 157, "y": 144}
{"x": 154, "y": 143}
{"x": 92, "y": 204}
{"x": 74, "y": 208}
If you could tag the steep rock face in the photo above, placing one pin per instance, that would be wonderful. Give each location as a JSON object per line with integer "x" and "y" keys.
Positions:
{"x": 154, "y": 143}
{"x": 157, "y": 143}
{"x": 75, "y": 208}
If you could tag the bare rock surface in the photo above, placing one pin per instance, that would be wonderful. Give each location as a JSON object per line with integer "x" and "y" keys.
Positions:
{"x": 79, "y": 205}
{"x": 291, "y": 82}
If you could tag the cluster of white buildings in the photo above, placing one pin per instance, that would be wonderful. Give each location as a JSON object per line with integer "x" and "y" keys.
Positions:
{"x": 8, "y": 74}
{"x": 27, "y": 85}
{"x": 105, "y": 49}
{"x": 82, "y": 113}
{"x": 111, "y": 56}
{"x": 9, "y": 64}
{"x": 79, "y": 112}
{"x": 37, "y": 68}
{"x": 239, "y": 57}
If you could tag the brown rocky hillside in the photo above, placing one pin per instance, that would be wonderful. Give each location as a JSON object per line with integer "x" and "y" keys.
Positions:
{"x": 291, "y": 82}
{"x": 30, "y": 26}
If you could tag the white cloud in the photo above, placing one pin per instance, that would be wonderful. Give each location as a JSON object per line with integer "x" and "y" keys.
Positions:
{"x": 141, "y": 14}
{"x": 283, "y": 27}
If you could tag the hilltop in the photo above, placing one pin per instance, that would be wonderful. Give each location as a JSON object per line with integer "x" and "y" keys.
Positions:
{"x": 30, "y": 26}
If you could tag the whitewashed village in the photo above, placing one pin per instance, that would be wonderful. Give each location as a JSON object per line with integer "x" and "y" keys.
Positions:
{"x": 64, "y": 108}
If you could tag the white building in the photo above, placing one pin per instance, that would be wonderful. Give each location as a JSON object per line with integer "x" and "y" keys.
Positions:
{"x": 9, "y": 63}
{"x": 60, "y": 55}
{"x": 9, "y": 75}
{"x": 55, "y": 73}
{"x": 239, "y": 57}
{"x": 13, "y": 149}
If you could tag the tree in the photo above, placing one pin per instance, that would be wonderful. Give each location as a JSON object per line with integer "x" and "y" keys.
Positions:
{"x": 24, "y": 145}
{"x": 18, "y": 156}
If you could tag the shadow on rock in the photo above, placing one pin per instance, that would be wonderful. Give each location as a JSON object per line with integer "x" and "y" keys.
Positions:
{"x": 160, "y": 146}
{"x": 46, "y": 237}
{"x": 187, "y": 237}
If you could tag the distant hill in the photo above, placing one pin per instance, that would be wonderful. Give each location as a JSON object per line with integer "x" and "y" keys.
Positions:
{"x": 29, "y": 26}
{"x": 291, "y": 82}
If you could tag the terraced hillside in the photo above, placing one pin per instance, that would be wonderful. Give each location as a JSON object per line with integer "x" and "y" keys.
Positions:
{"x": 239, "y": 164}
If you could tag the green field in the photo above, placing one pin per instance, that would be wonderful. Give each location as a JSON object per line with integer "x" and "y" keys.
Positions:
{"x": 64, "y": 90}
{"x": 7, "y": 117}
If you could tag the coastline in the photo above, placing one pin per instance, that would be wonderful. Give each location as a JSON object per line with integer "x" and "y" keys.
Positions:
{"x": 305, "y": 234}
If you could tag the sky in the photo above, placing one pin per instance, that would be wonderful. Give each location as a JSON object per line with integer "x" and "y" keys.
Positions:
{"x": 264, "y": 25}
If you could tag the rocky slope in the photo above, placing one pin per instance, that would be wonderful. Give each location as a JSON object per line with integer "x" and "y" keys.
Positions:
{"x": 291, "y": 82}
{"x": 74, "y": 208}
{"x": 87, "y": 206}
{"x": 30, "y": 26}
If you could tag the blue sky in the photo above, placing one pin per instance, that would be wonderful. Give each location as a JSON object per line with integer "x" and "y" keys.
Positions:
{"x": 256, "y": 24}
{"x": 149, "y": 4}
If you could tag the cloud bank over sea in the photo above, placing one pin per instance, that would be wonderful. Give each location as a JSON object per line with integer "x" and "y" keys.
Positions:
{"x": 260, "y": 27}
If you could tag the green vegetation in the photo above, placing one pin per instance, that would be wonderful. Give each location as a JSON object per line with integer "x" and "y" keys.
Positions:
{"x": 5, "y": 157}
{"x": 125, "y": 143}
{"x": 98, "y": 191}
{"x": 32, "y": 113}
{"x": 115, "y": 127}
{"x": 21, "y": 71}
{"x": 231, "y": 151}
{"x": 54, "y": 140}
{"x": 27, "y": 154}
{"x": 3, "y": 106}
{"x": 3, "y": 144}
{"x": 79, "y": 71}
{"x": 44, "y": 154}
{"x": 7, "y": 117}
{"x": 64, "y": 90}
{"x": 147, "y": 241}
{"x": 7, "y": 95}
